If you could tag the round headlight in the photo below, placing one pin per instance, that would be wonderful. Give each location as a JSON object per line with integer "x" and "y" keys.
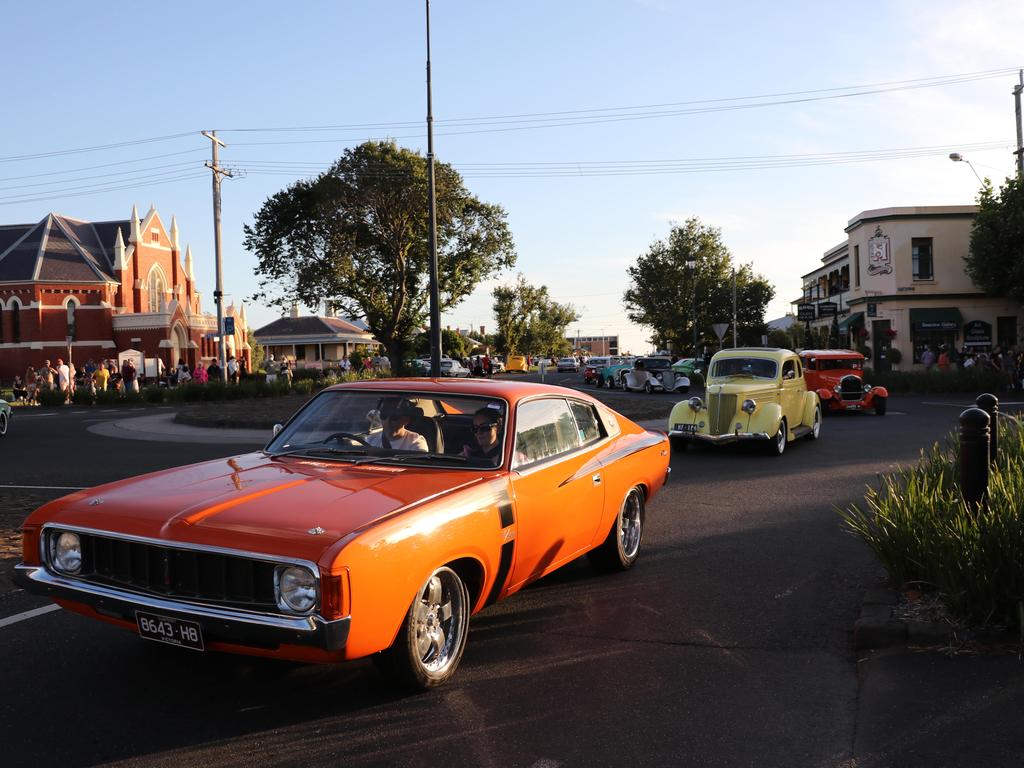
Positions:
{"x": 66, "y": 553}
{"x": 749, "y": 406}
{"x": 657, "y": 376}
{"x": 867, "y": 387}
{"x": 696, "y": 403}
{"x": 296, "y": 589}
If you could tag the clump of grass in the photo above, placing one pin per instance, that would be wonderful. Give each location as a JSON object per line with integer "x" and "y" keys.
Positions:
{"x": 924, "y": 532}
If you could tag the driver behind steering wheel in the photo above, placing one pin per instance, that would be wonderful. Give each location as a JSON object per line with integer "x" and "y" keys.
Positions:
{"x": 395, "y": 416}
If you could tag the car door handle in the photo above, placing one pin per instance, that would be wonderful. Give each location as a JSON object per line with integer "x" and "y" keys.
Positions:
{"x": 596, "y": 479}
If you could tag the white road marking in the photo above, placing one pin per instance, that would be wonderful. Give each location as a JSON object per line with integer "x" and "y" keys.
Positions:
{"x": 28, "y": 615}
{"x": 35, "y": 415}
{"x": 970, "y": 405}
{"x": 48, "y": 487}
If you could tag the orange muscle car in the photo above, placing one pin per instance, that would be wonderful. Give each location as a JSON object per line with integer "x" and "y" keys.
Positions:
{"x": 376, "y": 522}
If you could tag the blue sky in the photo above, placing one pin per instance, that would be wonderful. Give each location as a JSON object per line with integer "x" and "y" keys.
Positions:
{"x": 584, "y": 198}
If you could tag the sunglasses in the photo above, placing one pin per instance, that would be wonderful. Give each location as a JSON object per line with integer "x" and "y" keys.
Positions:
{"x": 480, "y": 429}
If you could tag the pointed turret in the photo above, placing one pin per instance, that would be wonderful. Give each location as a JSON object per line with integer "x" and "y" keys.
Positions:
{"x": 135, "y": 236}
{"x": 174, "y": 233}
{"x": 120, "y": 259}
{"x": 241, "y": 316}
{"x": 188, "y": 265}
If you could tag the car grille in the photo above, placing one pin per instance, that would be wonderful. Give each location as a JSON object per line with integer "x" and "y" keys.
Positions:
{"x": 721, "y": 410}
{"x": 208, "y": 577}
{"x": 851, "y": 388}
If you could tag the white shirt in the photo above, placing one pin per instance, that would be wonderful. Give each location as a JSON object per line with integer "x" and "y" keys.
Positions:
{"x": 63, "y": 375}
{"x": 409, "y": 441}
{"x": 232, "y": 366}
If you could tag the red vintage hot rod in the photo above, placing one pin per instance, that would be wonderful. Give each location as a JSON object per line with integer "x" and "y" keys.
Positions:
{"x": 837, "y": 375}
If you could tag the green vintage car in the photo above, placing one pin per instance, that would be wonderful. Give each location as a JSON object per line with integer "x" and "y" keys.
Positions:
{"x": 5, "y": 417}
{"x": 688, "y": 366}
{"x": 753, "y": 394}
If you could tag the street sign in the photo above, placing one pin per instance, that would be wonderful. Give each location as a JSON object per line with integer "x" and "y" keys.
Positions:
{"x": 805, "y": 312}
{"x": 720, "y": 329}
{"x": 978, "y": 333}
{"x": 229, "y": 326}
{"x": 827, "y": 309}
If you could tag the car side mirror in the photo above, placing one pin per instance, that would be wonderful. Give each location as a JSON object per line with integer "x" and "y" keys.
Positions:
{"x": 277, "y": 429}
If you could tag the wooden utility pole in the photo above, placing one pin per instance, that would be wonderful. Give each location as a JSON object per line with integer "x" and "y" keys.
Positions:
{"x": 1020, "y": 134}
{"x": 435, "y": 299}
{"x": 218, "y": 294}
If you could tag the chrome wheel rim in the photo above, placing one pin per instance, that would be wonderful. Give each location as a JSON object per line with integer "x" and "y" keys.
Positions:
{"x": 816, "y": 427}
{"x": 439, "y": 620}
{"x": 3, "y": 423}
{"x": 780, "y": 438}
{"x": 631, "y": 524}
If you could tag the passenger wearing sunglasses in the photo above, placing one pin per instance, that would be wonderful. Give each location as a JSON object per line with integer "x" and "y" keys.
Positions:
{"x": 395, "y": 417}
{"x": 486, "y": 436}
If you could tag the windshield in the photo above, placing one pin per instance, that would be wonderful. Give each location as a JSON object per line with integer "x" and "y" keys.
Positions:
{"x": 837, "y": 365}
{"x": 440, "y": 429}
{"x": 656, "y": 363}
{"x": 753, "y": 367}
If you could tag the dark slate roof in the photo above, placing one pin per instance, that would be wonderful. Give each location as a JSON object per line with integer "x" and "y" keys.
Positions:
{"x": 308, "y": 326}
{"x": 59, "y": 249}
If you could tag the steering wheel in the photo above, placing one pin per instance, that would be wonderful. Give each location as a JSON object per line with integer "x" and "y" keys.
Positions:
{"x": 346, "y": 436}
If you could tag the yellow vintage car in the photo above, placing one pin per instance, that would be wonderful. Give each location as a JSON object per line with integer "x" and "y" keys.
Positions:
{"x": 516, "y": 363}
{"x": 753, "y": 394}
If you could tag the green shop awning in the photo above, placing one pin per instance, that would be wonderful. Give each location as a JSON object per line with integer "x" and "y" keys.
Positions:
{"x": 857, "y": 318}
{"x": 940, "y": 319}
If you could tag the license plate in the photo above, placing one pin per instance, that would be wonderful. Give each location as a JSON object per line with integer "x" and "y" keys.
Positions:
{"x": 685, "y": 427}
{"x": 164, "y": 629}
{"x": 853, "y": 407}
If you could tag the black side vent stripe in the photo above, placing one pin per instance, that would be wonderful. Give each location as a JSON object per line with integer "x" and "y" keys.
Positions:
{"x": 505, "y": 513}
{"x": 504, "y": 566}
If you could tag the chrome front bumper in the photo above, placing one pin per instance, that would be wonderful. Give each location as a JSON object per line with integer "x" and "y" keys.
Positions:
{"x": 732, "y": 437}
{"x": 261, "y": 630}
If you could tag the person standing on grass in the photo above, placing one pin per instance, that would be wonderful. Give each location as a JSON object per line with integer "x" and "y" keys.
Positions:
{"x": 100, "y": 377}
{"x": 927, "y": 358}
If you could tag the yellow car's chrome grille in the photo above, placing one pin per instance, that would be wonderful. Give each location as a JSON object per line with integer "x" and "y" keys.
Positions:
{"x": 721, "y": 411}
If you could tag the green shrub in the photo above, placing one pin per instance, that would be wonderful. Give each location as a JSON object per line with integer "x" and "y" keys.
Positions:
{"x": 107, "y": 396}
{"x": 924, "y": 533}
{"x": 153, "y": 394}
{"x": 959, "y": 380}
{"x": 51, "y": 397}
{"x": 302, "y": 374}
{"x": 82, "y": 397}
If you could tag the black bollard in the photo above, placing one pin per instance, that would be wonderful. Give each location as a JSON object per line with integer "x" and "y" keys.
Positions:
{"x": 990, "y": 405}
{"x": 974, "y": 443}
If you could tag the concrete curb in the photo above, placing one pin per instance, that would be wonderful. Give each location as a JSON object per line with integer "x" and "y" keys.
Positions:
{"x": 877, "y": 627}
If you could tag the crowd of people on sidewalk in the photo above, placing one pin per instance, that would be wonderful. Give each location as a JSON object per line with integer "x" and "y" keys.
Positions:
{"x": 107, "y": 375}
{"x": 1008, "y": 362}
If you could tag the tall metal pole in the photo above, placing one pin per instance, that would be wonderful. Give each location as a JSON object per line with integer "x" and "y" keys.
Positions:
{"x": 435, "y": 299}
{"x": 734, "y": 328}
{"x": 1020, "y": 134}
{"x": 218, "y": 293}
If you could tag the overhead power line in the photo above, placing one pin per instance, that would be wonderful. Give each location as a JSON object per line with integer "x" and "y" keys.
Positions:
{"x": 96, "y": 148}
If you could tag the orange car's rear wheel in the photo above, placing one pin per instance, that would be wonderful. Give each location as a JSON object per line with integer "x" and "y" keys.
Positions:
{"x": 433, "y": 636}
{"x": 621, "y": 548}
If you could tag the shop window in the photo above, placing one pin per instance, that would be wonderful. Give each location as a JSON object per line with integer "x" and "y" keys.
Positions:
{"x": 933, "y": 339}
{"x": 924, "y": 269}
{"x": 72, "y": 306}
{"x": 16, "y": 321}
{"x": 856, "y": 266}
{"x": 1006, "y": 331}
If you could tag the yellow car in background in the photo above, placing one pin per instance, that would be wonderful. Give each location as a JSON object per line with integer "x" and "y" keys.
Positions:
{"x": 753, "y": 394}
{"x": 516, "y": 363}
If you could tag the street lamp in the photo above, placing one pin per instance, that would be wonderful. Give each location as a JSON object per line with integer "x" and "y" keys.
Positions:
{"x": 956, "y": 157}
{"x": 692, "y": 266}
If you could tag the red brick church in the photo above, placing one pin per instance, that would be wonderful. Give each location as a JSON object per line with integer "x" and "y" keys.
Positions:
{"x": 110, "y": 286}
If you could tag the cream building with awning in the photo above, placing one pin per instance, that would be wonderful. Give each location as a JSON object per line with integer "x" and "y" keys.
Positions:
{"x": 908, "y": 287}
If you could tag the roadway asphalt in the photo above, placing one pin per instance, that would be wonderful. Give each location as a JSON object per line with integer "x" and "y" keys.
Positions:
{"x": 728, "y": 644}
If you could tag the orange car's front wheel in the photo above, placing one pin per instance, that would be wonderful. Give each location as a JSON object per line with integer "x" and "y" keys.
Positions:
{"x": 433, "y": 636}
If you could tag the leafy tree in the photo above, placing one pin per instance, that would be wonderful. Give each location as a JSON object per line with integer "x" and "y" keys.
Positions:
{"x": 258, "y": 352}
{"x": 357, "y": 235}
{"x": 996, "y": 259}
{"x": 453, "y": 344}
{"x": 663, "y": 289}
{"x": 529, "y": 321}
